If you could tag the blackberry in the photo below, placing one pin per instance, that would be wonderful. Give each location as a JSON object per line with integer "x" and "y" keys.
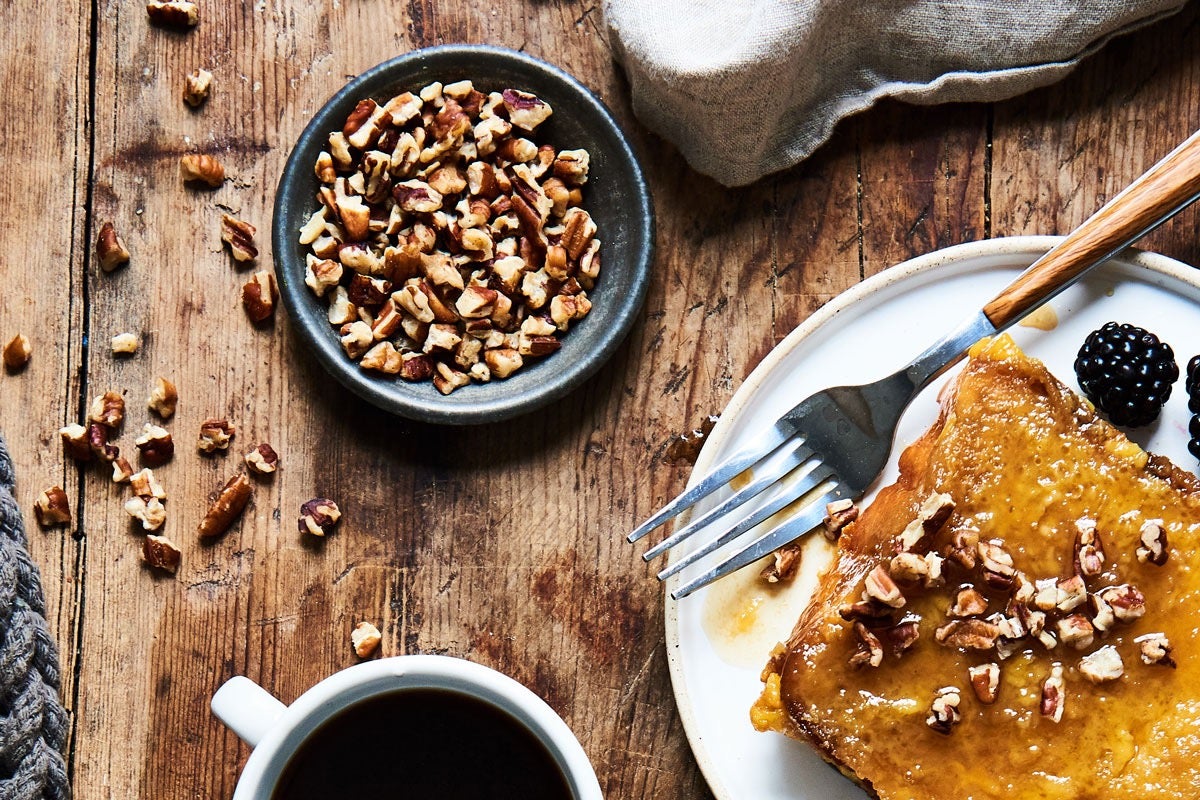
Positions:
{"x": 1127, "y": 372}
{"x": 1192, "y": 384}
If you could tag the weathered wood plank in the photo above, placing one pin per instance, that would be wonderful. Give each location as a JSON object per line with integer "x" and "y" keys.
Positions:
{"x": 43, "y": 194}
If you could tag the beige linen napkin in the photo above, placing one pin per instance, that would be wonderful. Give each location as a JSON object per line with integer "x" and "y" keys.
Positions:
{"x": 748, "y": 87}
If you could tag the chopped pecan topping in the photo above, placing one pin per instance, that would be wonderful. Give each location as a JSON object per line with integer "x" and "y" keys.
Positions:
{"x": 1075, "y": 630}
{"x": 1102, "y": 665}
{"x": 1128, "y": 603}
{"x": 934, "y": 512}
{"x": 879, "y": 586}
{"x": 970, "y": 634}
{"x": 1153, "y": 548}
{"x": 1102, "y": 615}
{"x": 1089, "y": 551}
{"x": 943, "y": 711}
{"x": 1155, "y": 649}
{"x": 997, "y": 564}
{"x": 985, "y": 681}
{"x": 870, "y": 649}
{"x": 968, "y": 602}
{"x": 1070, "y": 594}
{"x": 1053, "y": 694}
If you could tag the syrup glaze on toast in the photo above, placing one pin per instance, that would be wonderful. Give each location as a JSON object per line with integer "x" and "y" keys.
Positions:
{"x": 1025, "y": 461}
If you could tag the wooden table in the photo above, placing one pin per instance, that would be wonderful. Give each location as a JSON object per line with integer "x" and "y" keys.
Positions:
{"x": 500, "y": 544}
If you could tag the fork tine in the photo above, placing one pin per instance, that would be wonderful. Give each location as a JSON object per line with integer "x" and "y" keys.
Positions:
{"x": 789, "y": 531}
{"x": 716, "y": 478}
{"x": 779, "y": 464}
{"x": 787, "y": 494}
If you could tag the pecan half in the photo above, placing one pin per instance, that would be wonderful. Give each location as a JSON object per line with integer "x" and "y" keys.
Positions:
{"x": 201, "y": 168}
{"x": 226, "y": 507}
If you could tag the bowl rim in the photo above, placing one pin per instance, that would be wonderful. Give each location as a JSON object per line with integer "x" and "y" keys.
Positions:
{"x": 309, "y": 319}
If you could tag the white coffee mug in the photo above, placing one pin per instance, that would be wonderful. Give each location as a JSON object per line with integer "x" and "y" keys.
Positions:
{"x": 275, "y": 731}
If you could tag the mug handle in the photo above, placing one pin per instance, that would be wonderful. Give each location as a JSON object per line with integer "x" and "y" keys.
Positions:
{"x": 247, "y": 709}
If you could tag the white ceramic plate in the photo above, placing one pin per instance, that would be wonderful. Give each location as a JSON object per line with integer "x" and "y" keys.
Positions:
{"x": 719, "y": 638}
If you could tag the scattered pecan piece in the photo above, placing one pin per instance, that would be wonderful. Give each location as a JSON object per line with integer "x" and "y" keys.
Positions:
{"x": 783, "y": 564}
{"x": 226, "y": 507}
{"x": 239, "y": 235}
{"x": 365, "y": 639}
{"x": 124, "y": 344}
{"x": 121, "y": 470}
{"x": 163, "y": 398}
{"x": 75, "y": 442}
{"x": 196, "y": 87}
{"x": 215, "y": 434}
{"x": 201, "y": 168}
{"x": 259, "y": 296}
{"x": 933, "y": 514}
{"x": 108, "y": 410}
{"x": 143, "y": 484}
{"x": 148, "y": 510}
{"x": 51, "y": 508}
{"x": 155, "y": 445}
{"x": 111, "y": 251}
{"x": 97, "y": 437}
{"x": 943, "y": 711}
{"x": 161, "y": 553}
{"x": 318, "y": 516}
{"x": 1153, "y": 548}
{"x": 173, "y": 13}
{"x": 262, "y": 460}
{"x": 17, "y": 353}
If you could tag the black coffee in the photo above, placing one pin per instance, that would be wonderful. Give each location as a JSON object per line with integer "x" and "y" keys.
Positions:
{"x": 422, "y": 743}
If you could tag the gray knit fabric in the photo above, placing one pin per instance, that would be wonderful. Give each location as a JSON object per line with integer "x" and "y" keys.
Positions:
{"x": 33, "y": 724}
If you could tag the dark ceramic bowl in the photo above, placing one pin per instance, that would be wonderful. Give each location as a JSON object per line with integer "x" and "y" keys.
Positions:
{"x": 615, "y": 195}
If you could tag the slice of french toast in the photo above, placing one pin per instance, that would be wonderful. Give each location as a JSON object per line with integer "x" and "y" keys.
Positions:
{"x": 1017, "y": 616}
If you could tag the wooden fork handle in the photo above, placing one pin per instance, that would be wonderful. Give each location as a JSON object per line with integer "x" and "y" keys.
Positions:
{"x": 1155, "y": 197}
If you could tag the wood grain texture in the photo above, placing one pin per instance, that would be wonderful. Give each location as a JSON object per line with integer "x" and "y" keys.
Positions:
{"x": 503, "y": 544}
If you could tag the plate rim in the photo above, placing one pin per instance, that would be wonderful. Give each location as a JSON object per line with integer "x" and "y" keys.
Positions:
{"x": 987, "y": 248}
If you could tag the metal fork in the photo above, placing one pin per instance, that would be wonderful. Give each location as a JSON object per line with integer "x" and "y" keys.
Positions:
{"x": 834, "y": 444}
